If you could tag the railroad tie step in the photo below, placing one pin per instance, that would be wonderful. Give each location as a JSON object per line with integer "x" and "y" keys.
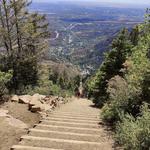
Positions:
{"x": 69, "y": 129}
{"x": 73, "y": 117}
{"x": 68, "y": 135}
{"x": 76, "y": 114}
{"x": 66, "y": 144}
{"x": 77, "y": 128}
{"x": 27, "y": 137}
{"x": 65, "y": 133}
{"x": 71, "y": 120}
{"x": 64, "y": 123}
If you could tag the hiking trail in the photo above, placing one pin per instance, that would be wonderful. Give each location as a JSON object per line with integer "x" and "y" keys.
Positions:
{"x": 74, "y": 126}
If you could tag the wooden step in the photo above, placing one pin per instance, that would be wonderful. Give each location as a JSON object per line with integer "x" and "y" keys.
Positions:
{"x": 62, "y": 143}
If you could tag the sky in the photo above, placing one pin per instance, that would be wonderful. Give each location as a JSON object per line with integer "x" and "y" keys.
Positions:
{"x": 137, "y": 2}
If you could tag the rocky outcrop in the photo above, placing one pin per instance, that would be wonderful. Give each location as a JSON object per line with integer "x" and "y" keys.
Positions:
{"x": 15, "y": 98}
{"x": 34, "y": 101}
{"x": 16, "y": 123}
{"x": 25, "y": 99}
{"x": 39, "y": 103}
{"x": 11, "y": 120}
{"x": 3, "y": 113}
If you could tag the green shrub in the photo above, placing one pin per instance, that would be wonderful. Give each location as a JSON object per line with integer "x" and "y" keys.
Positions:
{"x": 44, "y": 88}
{"x": 118, "y": 100}
{"x": 134, "y": 134}
{"x": 4, "y": 79}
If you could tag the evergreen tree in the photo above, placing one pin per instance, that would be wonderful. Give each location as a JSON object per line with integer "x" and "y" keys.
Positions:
{"x": 114, "y": 59}
{"x": 134, "y": 35}
{"x": 23, "y": 37}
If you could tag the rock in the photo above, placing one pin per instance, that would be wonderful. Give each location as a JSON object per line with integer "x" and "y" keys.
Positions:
{"x": 43, "y": 114}
{"x": 56, "y": 97}
{"x": 37, "y": 97}
{"x": 35, "y": 100}
{"x": 61, "y": 102}
{"x": 46, "y": 107}
{"x": 36, "y": 108}
{"x": 42, "y": 101}
{"x": 12, "y": 121}
{"x": 40, "y": 107}
{"x": 42, "y": 97}
{"x": 16, "y": 123}
{"x": 34, "y": 103}
{"x": 54, "y": 103}
{"x": 15, "y": 98}
{"x": 61, "y": 99}
{"x": 46, "y": 99}
{"x": 4, "y": 113}
{"x": 25, "y": 99}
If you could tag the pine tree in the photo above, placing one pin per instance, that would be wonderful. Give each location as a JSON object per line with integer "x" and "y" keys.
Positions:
{"x": 114, "y": 59}
{"x": 24, "y": 37}
{"x": 134, "y": 35}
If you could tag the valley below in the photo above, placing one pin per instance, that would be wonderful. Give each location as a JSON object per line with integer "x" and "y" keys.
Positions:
{"x": 81, "y": 34}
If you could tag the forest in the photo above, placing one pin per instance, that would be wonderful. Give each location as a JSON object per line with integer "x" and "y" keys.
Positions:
{"x": 121, "y": 87}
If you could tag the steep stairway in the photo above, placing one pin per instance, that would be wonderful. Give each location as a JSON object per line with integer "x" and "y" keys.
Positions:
{"x": 74, "y": 126}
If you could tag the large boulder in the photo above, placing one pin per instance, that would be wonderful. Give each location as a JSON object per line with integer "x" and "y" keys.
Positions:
{"x": 16, "y": 123}
{"x": 11, "y": 120}
{"x": 35, "y": 101}
{"x": 25, "y": 99}
{"x": 38, "y": 96}
{"x": 41, "y": 107}
{"x": 15, "y": 98}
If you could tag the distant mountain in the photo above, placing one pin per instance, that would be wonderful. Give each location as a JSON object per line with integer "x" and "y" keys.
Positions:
{"x": 101, "y": 3}
{"x": 80, "y": 34}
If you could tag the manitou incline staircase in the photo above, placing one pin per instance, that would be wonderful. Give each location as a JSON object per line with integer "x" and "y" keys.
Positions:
{"x": 74, "y": 126}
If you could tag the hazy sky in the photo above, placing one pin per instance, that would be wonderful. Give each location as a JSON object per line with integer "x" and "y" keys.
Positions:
{"x": 140, "y": 2}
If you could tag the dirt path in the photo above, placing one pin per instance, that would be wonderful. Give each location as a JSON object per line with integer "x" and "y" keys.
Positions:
{"x": 13, "y": 125}
{"x": 74, "y": 126}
